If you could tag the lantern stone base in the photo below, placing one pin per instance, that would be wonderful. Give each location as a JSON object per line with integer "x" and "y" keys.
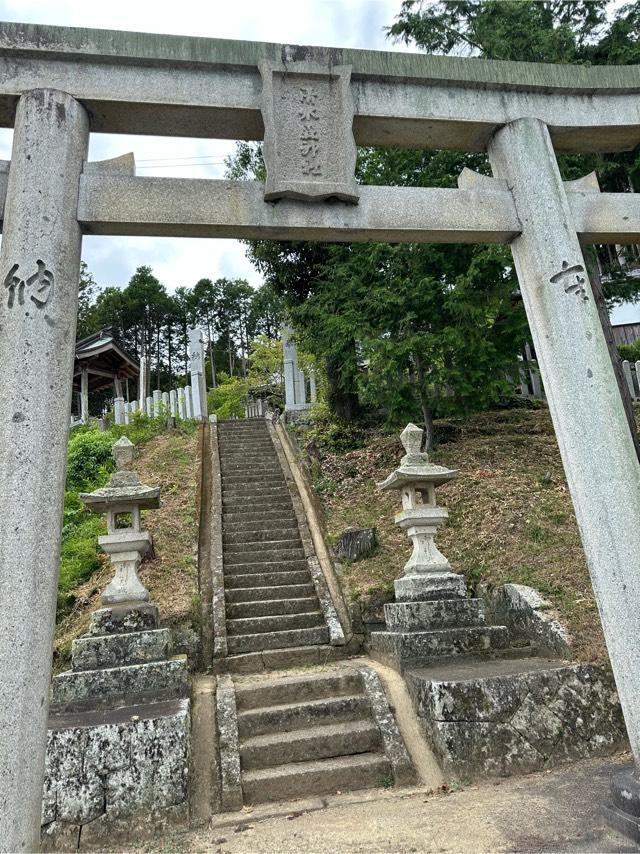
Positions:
{"x": 119, "y": 732}
{"x": 405, "y": 649}
{"x": 429, "y": 585}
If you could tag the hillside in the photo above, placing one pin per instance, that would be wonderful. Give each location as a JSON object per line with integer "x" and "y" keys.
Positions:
{"x": 511, "y": 517}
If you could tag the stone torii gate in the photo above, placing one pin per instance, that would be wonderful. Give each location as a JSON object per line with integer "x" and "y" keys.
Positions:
{"x": 311, "y": 106}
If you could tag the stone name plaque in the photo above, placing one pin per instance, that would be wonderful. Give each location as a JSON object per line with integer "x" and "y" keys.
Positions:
{"x": 309, "y": 149}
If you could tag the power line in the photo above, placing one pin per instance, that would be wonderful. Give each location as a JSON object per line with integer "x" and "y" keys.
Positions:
{"x": 194, "y": 157}
{"x": 177, "y": 165}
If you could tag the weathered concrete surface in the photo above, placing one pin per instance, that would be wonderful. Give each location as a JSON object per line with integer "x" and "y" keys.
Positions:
{"x": 598, "y": 455}
{"x": 556, "y": 811}
{"x": 101, "y": 768}
{"x": 395, "y": 749}
{"x": 227, "y": 727}
{"x": 508, "y": 717}
{"x": 174, "y": 85}
{"x": 39, "y": 268}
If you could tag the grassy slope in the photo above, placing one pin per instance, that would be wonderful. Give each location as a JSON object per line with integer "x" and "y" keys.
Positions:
{"x": 167, "y": 461}
{"x": 511, "y": 517}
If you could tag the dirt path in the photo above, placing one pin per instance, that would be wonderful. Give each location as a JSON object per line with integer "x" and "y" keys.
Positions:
{"x": 549, "y": 811}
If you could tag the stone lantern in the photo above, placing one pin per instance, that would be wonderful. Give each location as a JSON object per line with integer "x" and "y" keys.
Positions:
{"x": 427, "y": 573}
{"x": 126, "y": 543}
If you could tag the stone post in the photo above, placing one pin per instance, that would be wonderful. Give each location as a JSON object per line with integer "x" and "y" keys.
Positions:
{"x": 290, "y": 358}
{"x": 165, "y": 404}
{"x": 148, "y": 406}
{"x": 188, "y": 402}
{"x": 597, "y": 451}
{"x": 118, "y": 410}
{"x": 127, "y": 413}
{"x": 173, "y": 403}
{"x": 182, "y": 404}
{"x": 301, "y": 387}
{"x": 84, "y": 396}
{"x": 198, "y": 384}
{"x": 39, "y": 273}
{"x": 313, "y": 391}
{"x": 142, "y": 384}
{"x": 157, "y": 403}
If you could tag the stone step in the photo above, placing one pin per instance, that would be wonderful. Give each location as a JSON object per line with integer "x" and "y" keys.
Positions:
{"x": 264, "y": 510}
{"x": 238, "y": 503}
{"x": 250, "y": 457}
{"x": 258, "y": 536}
{"x": 297, "y": 689}
{"x": 92, "y": 652}
{"x": 277, "y": 640}
{"x": 266, "y": 566}
{"x": 277, "y": 522}
{"x": 254, "y": 447}
{"x": 321, "y": 777}
{"x": 283, "y": 659}
{"x": 273, "y": 593}
{"x": 434, "y": 614}
{"x": 268, "y": 580}
{"x": 115, "y": 619}
{"x": 249, "y": 477}
{"x": 271, "y": 607}
{"x": 274, "y": 623}
{"x": 156, "y": 680}
{"x": 283, "y": 544}
{"x": 265, "y": 554}
{"x": 253, "y": 490}
{"x": 308, "y": 713}
{"x": 304, "y": 745}
{"x": 402, "y": 649}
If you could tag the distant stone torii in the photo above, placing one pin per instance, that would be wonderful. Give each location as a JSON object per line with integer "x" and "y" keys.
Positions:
{"x": 312, "y": 106}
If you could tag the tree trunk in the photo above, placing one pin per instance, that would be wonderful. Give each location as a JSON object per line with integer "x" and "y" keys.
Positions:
{"x": 341, "y": 394}
{"x": 605, "y": 320}
{"x": 427, "y": 414}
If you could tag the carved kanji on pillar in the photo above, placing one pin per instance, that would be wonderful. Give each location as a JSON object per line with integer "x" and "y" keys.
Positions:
{"x": 38, "y": 287}
{"x": 309, "y": 148}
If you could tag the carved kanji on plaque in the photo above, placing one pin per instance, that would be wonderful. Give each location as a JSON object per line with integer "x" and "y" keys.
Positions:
{"x": 37, "y": 287}
{"x": 309, "y": 150}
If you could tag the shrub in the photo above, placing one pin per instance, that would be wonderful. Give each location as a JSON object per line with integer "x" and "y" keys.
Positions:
{"x": 89, "y": 460}
{"x": 227, "y": 400}
{"x": 630, "y": 351}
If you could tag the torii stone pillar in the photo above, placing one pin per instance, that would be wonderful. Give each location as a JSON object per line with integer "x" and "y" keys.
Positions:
{"x": 39, "y": 274}
{"x": 597, "y": 451}
{"x": 198, "y": 384}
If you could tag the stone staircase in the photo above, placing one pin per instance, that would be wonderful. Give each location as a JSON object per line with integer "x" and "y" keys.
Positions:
{"x": 270, "y": 598}
{"x": 316, "y": 734}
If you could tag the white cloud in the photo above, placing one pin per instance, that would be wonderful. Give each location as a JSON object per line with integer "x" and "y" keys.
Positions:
{"x": 182, "y": 261}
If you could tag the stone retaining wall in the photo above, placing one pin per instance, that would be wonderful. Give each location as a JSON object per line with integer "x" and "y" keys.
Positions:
{"x": 115, "y": 773}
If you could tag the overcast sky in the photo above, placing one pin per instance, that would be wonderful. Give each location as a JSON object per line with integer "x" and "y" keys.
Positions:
{"x": 333, "y": 23}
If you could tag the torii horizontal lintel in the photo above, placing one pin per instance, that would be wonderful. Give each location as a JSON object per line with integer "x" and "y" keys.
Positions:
{"x": 142, "y": 83}
{"x": 194, "y": 207}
